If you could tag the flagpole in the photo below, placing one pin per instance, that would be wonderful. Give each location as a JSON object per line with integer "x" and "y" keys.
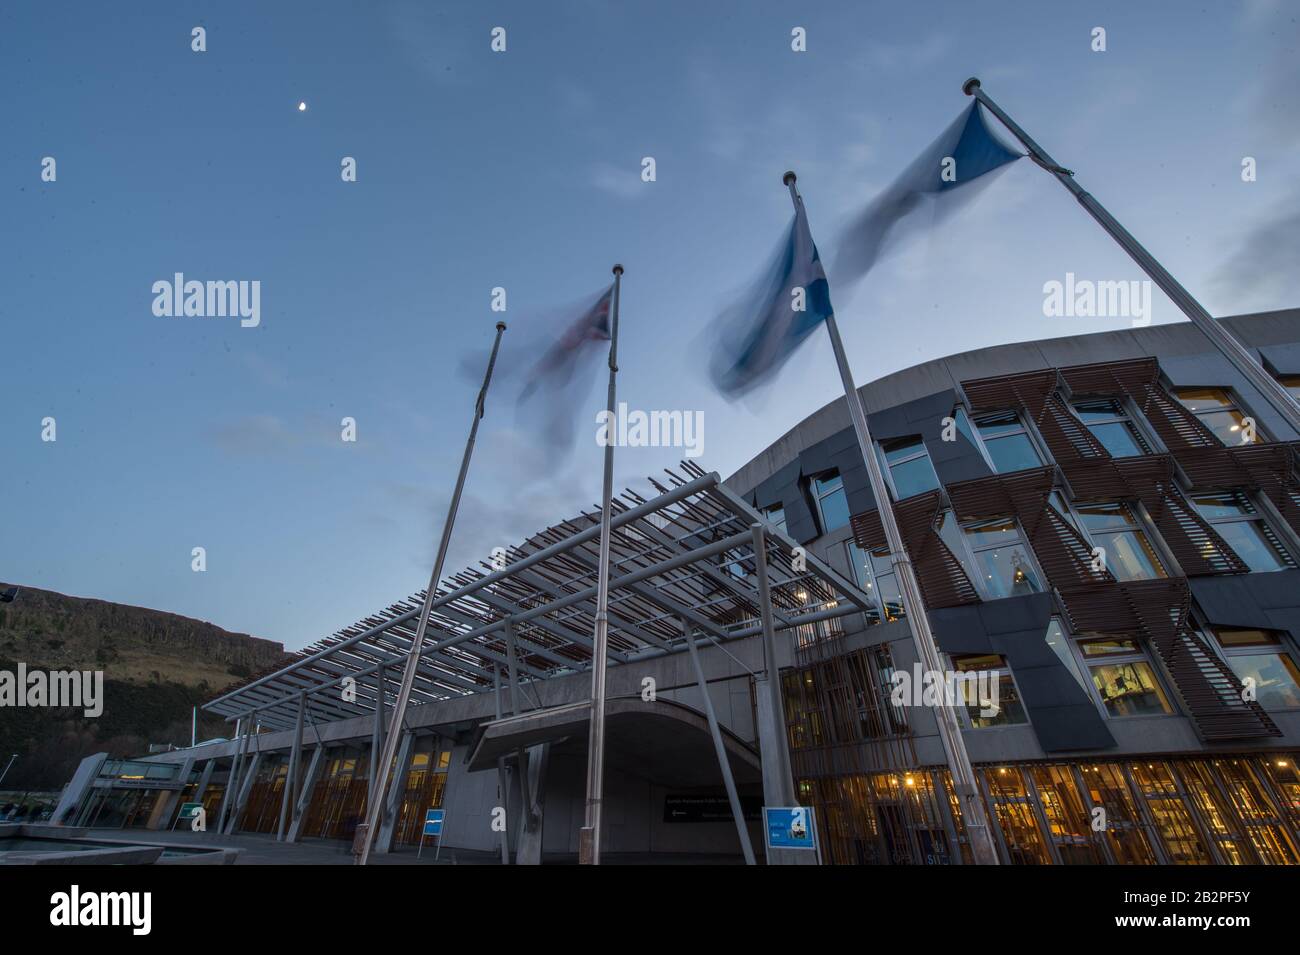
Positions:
{"x": 590, "y": 836}
{"x": 381, "y": 767}
{"x": 1227, "y": 344}
{"x": 974, "y": 814}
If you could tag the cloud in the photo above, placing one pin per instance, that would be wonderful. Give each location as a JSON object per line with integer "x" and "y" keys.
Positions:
{"x": 621, "y": 181}
{"x": 1260, "y": 274}
{"x": 259, "y": 434}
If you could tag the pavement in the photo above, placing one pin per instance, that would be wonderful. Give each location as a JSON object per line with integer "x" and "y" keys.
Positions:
{"x": 257, "y": 848}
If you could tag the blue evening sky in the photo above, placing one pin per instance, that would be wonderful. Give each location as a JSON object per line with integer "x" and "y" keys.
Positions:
{"x": 522, "y": 169}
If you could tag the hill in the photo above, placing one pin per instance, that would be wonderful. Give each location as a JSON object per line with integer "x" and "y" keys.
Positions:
{"x": 156, "y": 666}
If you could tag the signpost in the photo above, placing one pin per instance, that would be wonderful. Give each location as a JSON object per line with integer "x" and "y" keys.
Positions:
{"x": 790, "y": 827}
{"x": 433, "y": 819}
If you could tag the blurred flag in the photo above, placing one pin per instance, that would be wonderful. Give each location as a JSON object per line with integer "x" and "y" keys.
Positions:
{"x": 791, "y": 297}
{"x": 967, "y": 151}
{"x": 549, "y": 363}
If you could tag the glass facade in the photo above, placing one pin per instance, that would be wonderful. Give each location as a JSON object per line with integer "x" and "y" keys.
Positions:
{"x": 1111, "y": 425}
{"x": 832, "y": 503}
{"x": 1218, "y": 411}
{"x": 1007, "y": 442}
{"x": 1235, "y": 518}
{"x": 907, "y": 462}
{"x": 1128, "y": 553}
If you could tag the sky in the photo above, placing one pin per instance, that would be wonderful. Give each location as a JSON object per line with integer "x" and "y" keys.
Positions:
{"x": 522, "y": 169}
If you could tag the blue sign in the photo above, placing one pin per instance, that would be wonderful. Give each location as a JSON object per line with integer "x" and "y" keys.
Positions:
{"x": 790, "y": 828}
{"x": 433, "y": 821}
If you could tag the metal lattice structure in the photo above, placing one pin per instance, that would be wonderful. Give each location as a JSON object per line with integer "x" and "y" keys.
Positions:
{"x": 687, "y": 553}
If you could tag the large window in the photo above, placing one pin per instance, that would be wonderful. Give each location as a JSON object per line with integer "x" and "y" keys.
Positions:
{"x": 1238, "y": 522}
{"x": 991, "y": 697}
{"x": 1124, "y": 678}
{"x": 876, "y": 578}
{"x": 1261, "y": 656}
{"x": 1115, "y": 528}
{"x": 1111, "y": 425}
{"x": 909, "y": 467}
{"x": 1217, "y": 410}
{"x": 832, "y": 503}
{"x": 1002, "y": 562}
{"x": 1007, "y": 442}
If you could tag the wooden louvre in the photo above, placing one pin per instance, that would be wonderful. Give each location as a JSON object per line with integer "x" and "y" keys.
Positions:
{"x": 1155, "y": 611}
{"x": 939, "y": 573}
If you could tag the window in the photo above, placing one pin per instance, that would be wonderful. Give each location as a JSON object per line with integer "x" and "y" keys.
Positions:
{"x": 1125, "y": 680}
{"x": 1292, "y": 384}
{"x": 878, "y": 581}
{"x": 774, "y": 515}
{"x": 832, "y": 503}
{"x": 1007, "y": 442}
{"x": 1116, "y": 529}
{"x": 990, "y": 696}
{"x": 1260, "y": 655}
{"x": 1002, "y": 561}
{"x": 1217, "y": 410}
{"x": 1110, "y": 425}
{"x": 909, "y": 467}
{"x": 1238, "y": 522}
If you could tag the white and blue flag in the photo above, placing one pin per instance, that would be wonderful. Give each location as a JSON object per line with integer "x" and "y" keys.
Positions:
{"x": 787, "y": 303}
{"x": 965, "y": 153}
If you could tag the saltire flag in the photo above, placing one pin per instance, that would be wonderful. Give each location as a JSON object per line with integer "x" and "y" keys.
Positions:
{"x": 549, "y": 362}
{"x": 965, "y": 153}
{"x": 782, "y": 308}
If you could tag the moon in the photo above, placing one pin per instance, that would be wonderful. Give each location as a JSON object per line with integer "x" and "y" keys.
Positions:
{"x": 302, "y": 107}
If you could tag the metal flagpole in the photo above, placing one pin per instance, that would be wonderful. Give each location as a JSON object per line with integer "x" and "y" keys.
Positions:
{"x": 589, "y": 836}
{"x": 1218, "y": 334}
{"x": 974, "y": 814}
{"x": 413, "y": 655}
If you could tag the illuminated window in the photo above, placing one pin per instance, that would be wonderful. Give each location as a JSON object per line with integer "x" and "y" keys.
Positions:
{"x": 1292, "y": 384}
{"x": 876, "y": 578}
{"x": 1261, "y": 656}
{"x": 1125, "y": 682}
{"x": 1238, "y": 522}
{"x": 1216, "y": 409}
{"x": 1003, "y": 565}
{"x": 1110, "y": 424}
{"x": 990, "y": 692}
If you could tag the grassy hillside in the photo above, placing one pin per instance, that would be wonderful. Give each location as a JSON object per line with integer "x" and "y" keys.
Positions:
{"x": 156, "y": 667}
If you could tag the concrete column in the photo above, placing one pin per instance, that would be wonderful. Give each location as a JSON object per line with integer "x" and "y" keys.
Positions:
{"x": 78, "y": 788}
{"x": 308, "y": 788}
{"x": 290, "y": 790}
{"x": 388, "y": 822}
{"x": 529, "y": 851}
{"x": 170, "y": 801}
{"x": 245, "y": 787}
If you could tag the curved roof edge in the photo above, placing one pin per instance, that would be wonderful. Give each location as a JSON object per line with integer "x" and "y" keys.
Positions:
{"x": 1165, "y": 340}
